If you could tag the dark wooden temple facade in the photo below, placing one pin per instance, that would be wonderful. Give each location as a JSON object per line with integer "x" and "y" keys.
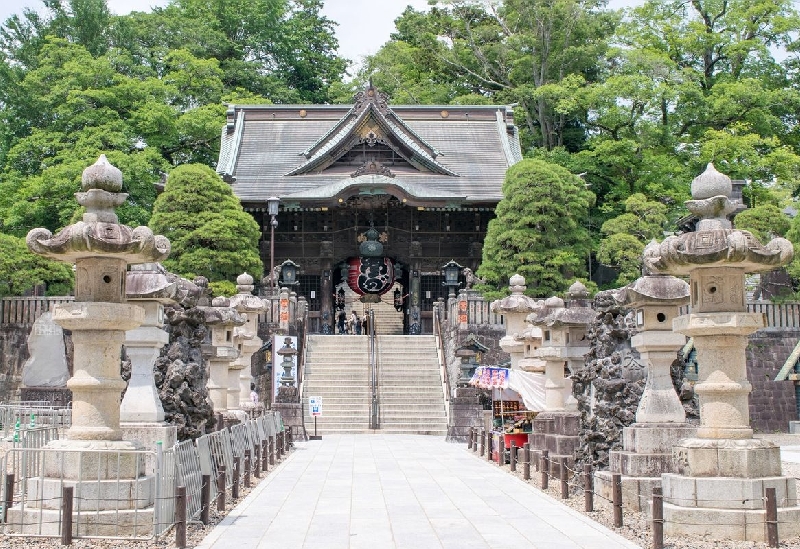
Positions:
{"x": 410, "y": 186}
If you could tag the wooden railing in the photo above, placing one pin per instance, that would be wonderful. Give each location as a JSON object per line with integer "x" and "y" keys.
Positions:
{"x": 25, "y": 310}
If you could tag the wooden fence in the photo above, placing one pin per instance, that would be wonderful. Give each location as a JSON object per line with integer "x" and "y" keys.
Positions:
{"x": 25, "y": 310}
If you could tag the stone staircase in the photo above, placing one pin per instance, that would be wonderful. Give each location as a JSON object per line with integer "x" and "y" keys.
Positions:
{"x": 409, "y": 391}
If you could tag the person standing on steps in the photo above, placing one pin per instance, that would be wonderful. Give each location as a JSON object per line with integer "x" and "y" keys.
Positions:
{"x": 358, "y": 324}
{"x": 365, "y": 323}
{"x": 352, "y": 323}
{"x": 341, "y": 322}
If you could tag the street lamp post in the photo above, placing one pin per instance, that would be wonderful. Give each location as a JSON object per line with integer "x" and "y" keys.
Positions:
{"x": 272, "y": 203}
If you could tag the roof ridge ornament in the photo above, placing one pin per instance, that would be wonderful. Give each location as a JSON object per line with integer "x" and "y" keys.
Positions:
{"x": 372, "y": 167}
{"x": 371, "y": 96}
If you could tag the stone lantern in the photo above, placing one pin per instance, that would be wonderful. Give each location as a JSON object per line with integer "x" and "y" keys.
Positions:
{"x": 721, "y": 475}
{"x": 101, "y": 249}
{"x": 287, "y": 352}
{"x": 141, "y": 412}
{"x": 469, "y": 354}
{"x": 660, "y": 417}
{"x": 515, "y": 309}
{"x": 564, "y": 345}
{"x": 247, "y": 341}
{"x": 221, "y": 350}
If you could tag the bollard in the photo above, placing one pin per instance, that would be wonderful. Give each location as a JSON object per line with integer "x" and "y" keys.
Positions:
{"x": 220, "y": 422}
{"x": 501, "y": 450}
{"x": 489, "y": 444}
{"x": 513, "y": 457}
{"x": 247, "y": 468}
{"x": 9, "y": 502}
{"x": 265, "y": 454}
{"x": 237, "y": 470}
{"x": 469, "y": 439}
{"x": 588, "y": 488}
{"x": 483, "y": 441}
{"x": 475, "y": 439}
{"x": 180, "y": 517}
{"x": 616, "y": 481}
{"x": 279, "y": 446}
{"x": 771, "y": 517}
{"x": 221, "y": 489}
{"x": 66, "y": 514}
{"x": 205, "y": 499}
{"x": 257, "y": 462}
{"x": 526, "y": 465}
{"x": 562, "y": 475}
{"x": 289, "y": 439}
{"x": 658, "y": 519}
{"x": 545, "y": 469}
{"x": 271, "y": 452}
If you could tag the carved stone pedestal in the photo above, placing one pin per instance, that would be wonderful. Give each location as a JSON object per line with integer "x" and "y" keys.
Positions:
{"x": 556, "y": 432}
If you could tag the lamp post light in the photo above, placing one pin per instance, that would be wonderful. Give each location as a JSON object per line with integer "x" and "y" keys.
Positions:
{"x": 451, "y": 271}
{"x": 289, "y": 273}
{"x": 272, "y": 208}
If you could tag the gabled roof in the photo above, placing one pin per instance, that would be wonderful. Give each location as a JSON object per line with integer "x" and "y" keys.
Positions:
{"x": 453, "y": 154}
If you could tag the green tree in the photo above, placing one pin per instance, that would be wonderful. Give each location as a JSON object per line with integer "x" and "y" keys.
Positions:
{"x": 539, "y": 230}
{"x": 626, "y": 235}
{"x": 211, "y": 235}
{"x": 765, "y": 221}
{"x": 21, "y": 270}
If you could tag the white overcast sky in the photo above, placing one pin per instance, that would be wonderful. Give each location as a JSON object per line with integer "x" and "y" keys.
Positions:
{"x": 364, "y": 25}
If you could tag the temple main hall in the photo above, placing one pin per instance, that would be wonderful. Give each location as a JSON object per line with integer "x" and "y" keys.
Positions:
{"x": 374, "y": 199}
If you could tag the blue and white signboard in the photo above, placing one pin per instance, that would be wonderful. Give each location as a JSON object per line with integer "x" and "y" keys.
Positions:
{"x": 315, "y": 406}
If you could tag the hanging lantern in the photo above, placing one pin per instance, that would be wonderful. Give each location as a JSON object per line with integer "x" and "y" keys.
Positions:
{"x": 370, "y": 275}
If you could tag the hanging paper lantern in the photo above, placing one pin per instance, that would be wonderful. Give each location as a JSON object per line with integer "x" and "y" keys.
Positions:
{"x": 370, "y": 275}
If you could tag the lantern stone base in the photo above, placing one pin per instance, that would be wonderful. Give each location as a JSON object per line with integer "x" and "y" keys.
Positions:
{"x": 718, "y": 490}
{"x": 646, "y": 454}
{"x": 148, "y": 435}
{"x": 556, "y": 432}
{"x": 725, "y": 508}
{"x": 124, "y": 523}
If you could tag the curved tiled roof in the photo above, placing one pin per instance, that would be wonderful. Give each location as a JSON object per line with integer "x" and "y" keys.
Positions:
{"x": 458, "y": 153}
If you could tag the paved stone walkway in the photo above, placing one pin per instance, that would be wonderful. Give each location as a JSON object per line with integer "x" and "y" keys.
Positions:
{"x": 400, "y": 491}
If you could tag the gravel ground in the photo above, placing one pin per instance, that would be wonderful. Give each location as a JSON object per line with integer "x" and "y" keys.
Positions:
{"x": 635, "y": 527}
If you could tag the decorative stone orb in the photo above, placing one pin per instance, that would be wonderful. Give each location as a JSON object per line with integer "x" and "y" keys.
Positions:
{"x": 244, "y": 279}
{"x": 517, "y": 280}
{"x": 711, "y": 183}
{"x": 554, "y": 302}
{"x": 578, "y": 290}
{"x": 102, "y": 175}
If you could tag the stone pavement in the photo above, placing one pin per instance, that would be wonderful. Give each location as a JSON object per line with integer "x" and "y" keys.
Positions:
{"x": 400, "y": 491}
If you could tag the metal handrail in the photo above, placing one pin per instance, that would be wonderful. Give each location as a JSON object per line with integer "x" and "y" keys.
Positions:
{"x": 437, "y": 331}
{"x": 374, "y": 422}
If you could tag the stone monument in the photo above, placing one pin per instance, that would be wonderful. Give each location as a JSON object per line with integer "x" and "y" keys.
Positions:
{"x": 101, "y": 249}
{"x": 248, "y": 342}
{"x": 721, "y": 474}
{"x": 660, "y": 417}
{"x": 47, "y": 366}
{"x": 564, "y": 344}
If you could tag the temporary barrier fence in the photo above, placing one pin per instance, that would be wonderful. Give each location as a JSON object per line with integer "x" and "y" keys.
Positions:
{"x": 108, "y": 493}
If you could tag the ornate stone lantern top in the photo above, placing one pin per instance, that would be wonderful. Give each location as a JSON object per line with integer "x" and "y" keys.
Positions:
{"x": 654, "y": 289}
{"x": 556, "y": 313}
{"x": 715, "y": 243}
{"x": 99, "y": 233}
{"x": 244, "y": 301}
{"x": 517, "y": 302}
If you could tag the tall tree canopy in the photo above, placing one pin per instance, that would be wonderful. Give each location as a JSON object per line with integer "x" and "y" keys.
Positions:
{"x": 539, "y": 230}
{"x": 211, "y": 235}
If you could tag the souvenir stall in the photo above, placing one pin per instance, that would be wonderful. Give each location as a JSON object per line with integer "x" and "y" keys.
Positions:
{"x": 510, "y": 417}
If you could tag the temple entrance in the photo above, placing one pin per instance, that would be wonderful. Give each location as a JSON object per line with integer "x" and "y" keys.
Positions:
{"x": 388, "y": 320}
